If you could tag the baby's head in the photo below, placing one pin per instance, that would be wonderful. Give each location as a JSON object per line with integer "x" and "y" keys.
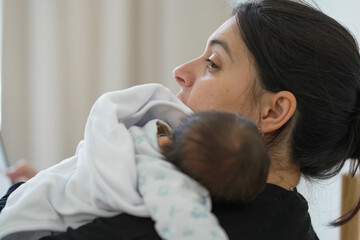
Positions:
{"x": 223, "y": 151}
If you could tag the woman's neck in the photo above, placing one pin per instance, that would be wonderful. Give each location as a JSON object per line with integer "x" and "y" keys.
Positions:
{"x": 283, "y": 171}
{"x": 285, "y": 175}
{"x": 284, "y": 178}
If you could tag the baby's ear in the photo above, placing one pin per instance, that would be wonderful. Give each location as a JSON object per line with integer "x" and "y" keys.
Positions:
{"x": 276, "y": 110}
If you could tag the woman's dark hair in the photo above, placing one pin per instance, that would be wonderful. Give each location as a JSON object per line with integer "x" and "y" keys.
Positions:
{"x": 300, "y": 49}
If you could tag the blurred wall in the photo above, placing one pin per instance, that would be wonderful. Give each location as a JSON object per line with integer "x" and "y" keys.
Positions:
{"x": 60, "y": 55}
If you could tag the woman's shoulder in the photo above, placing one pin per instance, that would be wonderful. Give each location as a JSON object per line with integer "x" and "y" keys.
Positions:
{"x": 275, "y": 214}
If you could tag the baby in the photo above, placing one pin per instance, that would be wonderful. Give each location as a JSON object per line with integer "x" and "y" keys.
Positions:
{"x": 223, "y": 152}
{"x": 121, "y": 159}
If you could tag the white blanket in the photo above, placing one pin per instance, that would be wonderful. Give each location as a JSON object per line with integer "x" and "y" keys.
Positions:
{"x": 102, "y": 170}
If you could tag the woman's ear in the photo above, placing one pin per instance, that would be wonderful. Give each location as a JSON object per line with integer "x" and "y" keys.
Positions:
{"x": 276, "y": 110}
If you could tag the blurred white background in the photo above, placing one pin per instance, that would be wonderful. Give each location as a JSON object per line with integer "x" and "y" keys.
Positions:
{"x": 58, "y": 56}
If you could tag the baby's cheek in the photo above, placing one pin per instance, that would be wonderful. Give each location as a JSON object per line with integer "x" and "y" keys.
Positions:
{"x": 163, "y": 140}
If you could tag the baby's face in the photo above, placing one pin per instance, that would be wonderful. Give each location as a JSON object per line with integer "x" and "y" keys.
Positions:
{"x": 163, "y": 140}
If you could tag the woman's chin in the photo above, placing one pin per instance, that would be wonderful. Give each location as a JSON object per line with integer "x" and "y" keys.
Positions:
{"x": 180, "y": 96}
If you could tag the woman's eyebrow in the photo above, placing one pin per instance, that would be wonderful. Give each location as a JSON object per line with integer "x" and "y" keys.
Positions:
{"x": 223, "y": 44}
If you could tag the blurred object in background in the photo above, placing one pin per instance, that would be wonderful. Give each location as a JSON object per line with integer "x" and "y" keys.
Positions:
{"x": 350, "y": 197}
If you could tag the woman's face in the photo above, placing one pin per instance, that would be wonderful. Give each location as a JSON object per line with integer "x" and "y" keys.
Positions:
{"x": 222, "y": 78}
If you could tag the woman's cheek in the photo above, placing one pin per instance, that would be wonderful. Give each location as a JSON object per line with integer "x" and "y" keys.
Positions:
{"x": 197, "y": 105}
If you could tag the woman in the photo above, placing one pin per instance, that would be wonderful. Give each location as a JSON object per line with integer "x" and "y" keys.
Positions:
{"x": 296, "y": 73}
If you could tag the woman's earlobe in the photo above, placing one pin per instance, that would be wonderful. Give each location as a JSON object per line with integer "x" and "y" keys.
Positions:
{"x": 277, "y": 109}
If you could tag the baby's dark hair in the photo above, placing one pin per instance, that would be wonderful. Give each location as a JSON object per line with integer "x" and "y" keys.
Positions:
{"x": 224, "y": 152}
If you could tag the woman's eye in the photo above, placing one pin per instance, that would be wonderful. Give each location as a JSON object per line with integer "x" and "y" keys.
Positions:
{"x": 211, "y": 64}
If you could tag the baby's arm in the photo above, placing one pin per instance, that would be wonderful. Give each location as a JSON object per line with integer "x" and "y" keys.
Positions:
{"x": 179, "y": 205}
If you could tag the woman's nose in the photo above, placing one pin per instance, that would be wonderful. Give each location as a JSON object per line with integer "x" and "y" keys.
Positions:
{"x": 184, "y": 75}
